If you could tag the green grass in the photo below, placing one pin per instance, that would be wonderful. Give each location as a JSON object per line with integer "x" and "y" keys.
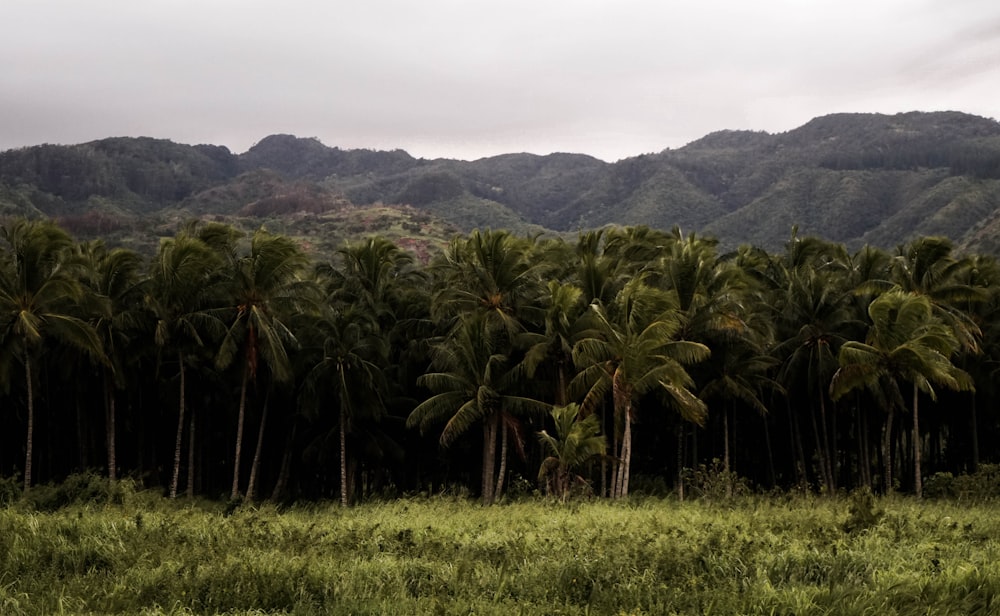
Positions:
{"x": 448, "y": 556}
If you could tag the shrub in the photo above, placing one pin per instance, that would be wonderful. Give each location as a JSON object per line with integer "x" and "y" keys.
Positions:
{"x": 10, "y": 491}
{"x": 79, "y": 489}
{"x": 713, "y": 482}
{"x": 863, "y": 513}
{"x": 982, "y": 485}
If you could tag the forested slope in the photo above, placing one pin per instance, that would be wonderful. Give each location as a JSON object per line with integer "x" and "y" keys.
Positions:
{"x": 851, "y": 178}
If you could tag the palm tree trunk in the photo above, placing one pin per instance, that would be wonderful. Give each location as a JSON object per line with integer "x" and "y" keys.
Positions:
{"x": 887, "y": 451}
{"x": 798, "y": 451}
{"x": 821, "y": 453}
{"x": 562, "y": 398}
{"x": 489, "y": 457}
{"x": 503, "y": 461}
{"x": 828, "y": 452}
{"x": 770, "y": 452}
{"x": 286, "y": 467}
{"x": 109, "y": 424}
{"x": 626, "y": 462}
{"x": 31, "y": 423}
{"x": 255, "y": 466}
{"x": 918, "y": 483}
{"x": 975, "y": 436}
{"x": 180, "y": 430}
{"x": 235, "y": 492}
{"x": 864, "y": 464}
{"x": 725, "y": 452}
{"x": 725, "y": 439}
{"x": 343, "y": 456}
{"x": 192, "y": 443}
{"x": 680, "y": 460}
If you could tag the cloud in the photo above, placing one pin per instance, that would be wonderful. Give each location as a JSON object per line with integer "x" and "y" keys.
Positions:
{"x": 468, "y": 79}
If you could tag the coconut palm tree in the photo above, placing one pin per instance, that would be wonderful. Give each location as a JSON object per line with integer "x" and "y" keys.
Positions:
{"x": 576, "y": 442}
{"x": 475, "y": 381}
{"x": 264, "y": 285}
{"x": 490, "y": 273}
{"x": 183, "y": 281}
{"x": 632, "y": 350}
{"x": 39, "y": 287}
{"x": 348, "y": 370}
{"x": 115, "y": 276}
{"x": 906, "y": 342}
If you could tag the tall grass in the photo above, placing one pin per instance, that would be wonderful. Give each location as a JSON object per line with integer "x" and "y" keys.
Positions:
{"x": 450, "y": 556}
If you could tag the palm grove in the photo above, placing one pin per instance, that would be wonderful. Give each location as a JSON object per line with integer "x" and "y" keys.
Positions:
{"x": 239, "y": 366}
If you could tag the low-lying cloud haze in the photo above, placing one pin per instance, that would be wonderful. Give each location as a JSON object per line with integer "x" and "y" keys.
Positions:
{"x": 468, "y": 78}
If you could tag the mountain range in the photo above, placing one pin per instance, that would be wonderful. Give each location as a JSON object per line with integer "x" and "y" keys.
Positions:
{"x": 851, "y": 178}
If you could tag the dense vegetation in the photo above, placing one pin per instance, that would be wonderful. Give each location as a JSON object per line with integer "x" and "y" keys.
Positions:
{"x": 799, "y": 556}
{"x": 855, "y": 179}
{"x": 237, "y": 365}
{"x": 445, "y": 556}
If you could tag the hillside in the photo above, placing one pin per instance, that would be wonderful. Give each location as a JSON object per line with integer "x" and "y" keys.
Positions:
{"x": 851, "y": 178}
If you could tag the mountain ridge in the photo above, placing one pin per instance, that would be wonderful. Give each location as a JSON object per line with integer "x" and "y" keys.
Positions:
{"x": 854, "y": 178}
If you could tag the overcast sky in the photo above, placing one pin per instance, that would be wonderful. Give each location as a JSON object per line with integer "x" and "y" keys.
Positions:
{"x": 469, "y": 78}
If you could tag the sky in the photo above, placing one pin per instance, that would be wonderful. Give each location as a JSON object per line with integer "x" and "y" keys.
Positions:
{"x": 472, "y": 78}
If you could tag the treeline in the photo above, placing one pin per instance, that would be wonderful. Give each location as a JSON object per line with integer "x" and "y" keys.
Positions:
{"x": 630, "y": 359}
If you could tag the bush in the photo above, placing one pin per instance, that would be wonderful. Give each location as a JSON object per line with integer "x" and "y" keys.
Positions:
{"x": 79, "y": 489}
{"x": 982, "y": 485}
{"x": 863, "y": 513}
{"x": 10, "y": 491}
{"x": 713, "y": 482}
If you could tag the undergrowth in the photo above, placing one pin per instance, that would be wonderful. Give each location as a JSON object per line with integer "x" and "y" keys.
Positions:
{"x": 134, "y": 553}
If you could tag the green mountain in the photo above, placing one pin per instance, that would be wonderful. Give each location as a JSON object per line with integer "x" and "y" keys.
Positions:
{"x": 851, "y": 178}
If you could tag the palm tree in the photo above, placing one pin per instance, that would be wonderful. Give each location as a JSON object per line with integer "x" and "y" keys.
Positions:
{"x": 632, "y": 350}
{"x": 906, "y": 342}
{"x": 115, "y": 276}
{"x": 184, "y": 278}
{"x": 490, "y": 273}
{"x": 370, "y": 278}
{"x": 475, "y": 382}
{"x": 813, "y": 312}
{"x": 554, "y": 347}
{"x": 263, "y": 286}
{"x": 348, "y": 369}
{"x": 576, "y": 442}
{"x": 926, "y": 267}
{"x": 39, "y": 287}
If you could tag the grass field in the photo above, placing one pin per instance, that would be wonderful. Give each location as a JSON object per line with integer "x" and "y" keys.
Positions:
{"x": 781, "y": 555}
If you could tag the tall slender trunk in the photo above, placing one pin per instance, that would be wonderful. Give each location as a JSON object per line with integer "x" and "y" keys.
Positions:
{"x": 180, "y": 430}
{"x": 725, "y": 439}
{"x": 109, "y": 424}
{"x": 887, "y": 451}
{"x": 680, "y": 460}
{"x": 82, "y": 448}
{"x": 798, "y": 450}
{"x": 626, "y": 455}
{"x": 828, "y": 452}
{"x": 975, "y": 435}
{"x": 864, "y": 464}
{"x": 725, "y": 452}
{"x": 918, "y": 482}
{"x": 255, "y": 466}
{"x": 820, "y": 451}
{"x": 192, "y": 444}
{"x": 562, "y": 398}
{"x": 286, "y": 467}
{"x": 770, "y": 451}
{"x": 489, "y": 457}
{"x": 235, "y": 492}
{"x": 343, "y": 456}
{"x": 31, "y": 422}
{"x": 503, "y": 461}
